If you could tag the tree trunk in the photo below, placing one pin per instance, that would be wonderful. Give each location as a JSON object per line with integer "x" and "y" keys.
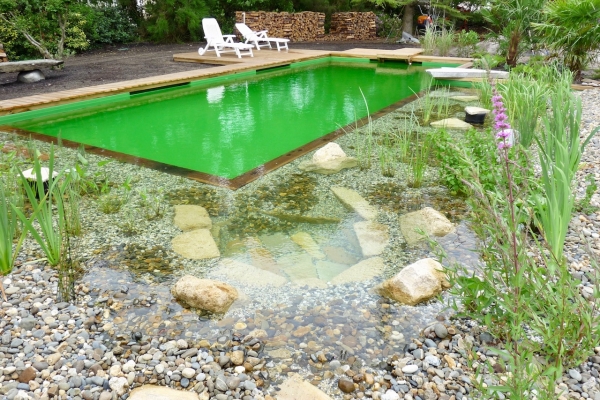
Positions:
{"x": 513, "y": 48}
{"x": 408, "y": 17}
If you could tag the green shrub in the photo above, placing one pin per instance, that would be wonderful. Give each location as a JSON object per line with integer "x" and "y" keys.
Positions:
{"x": 108, "y": 25}
{"x": 175, "y": 20}
{"x": 465, "y": 42}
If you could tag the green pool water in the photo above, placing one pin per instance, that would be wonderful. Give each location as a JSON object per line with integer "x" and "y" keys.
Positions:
{"x": 230, "y": 125}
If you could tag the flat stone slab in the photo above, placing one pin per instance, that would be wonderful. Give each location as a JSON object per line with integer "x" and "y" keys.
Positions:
{"x": 465, "y": 99}
{"x": 354, "y": 201}
{"x": 191, "y": 217}
{"x": 452, "y": 123}
{"x": 152, "y": 392}
{"x": 295, "y": 388}
{"x": 197, "y": 245}
{"x": 28, "y": 65}
{"x": 476, "y": 110}
{"x": 249, "y": 274}
{"x": 298, "y": 267}
{"x": 363, "y": 271}
{"x": 327, "y": 269}
{"x": 372, "y": 236}
{"x": 309, "y": 245}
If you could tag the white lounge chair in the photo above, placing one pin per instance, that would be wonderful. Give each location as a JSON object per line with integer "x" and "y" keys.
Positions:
{"x": 260, "y": 38}
{"x": 219, "y": 43}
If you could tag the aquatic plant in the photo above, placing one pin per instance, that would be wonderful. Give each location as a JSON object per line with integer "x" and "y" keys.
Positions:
{"x": 386, "y": 156}
{"x": 418, "y": 160}
{"x": 443, "y": 103}
{"x": 364, "y": 140}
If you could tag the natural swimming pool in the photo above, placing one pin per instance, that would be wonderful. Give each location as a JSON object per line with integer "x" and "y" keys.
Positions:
{"x": 229, "y": 125}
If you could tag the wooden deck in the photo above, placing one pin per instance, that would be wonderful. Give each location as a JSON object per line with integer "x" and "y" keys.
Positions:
{"x": 226, "y": 64}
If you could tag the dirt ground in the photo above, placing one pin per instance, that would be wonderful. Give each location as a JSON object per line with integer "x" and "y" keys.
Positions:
{"x": 132, "y": 61}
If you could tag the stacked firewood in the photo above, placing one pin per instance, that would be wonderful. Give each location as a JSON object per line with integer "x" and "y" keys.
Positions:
{"x": 298, "y": 27}
{"x": 352, "y": 26}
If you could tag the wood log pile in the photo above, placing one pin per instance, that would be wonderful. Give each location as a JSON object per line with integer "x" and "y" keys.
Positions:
{"x": 352, "y": 26}
{"x": 3, "y": 57}
{"x": 298, "y": 27}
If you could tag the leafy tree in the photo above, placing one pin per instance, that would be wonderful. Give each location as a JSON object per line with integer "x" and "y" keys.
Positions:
{"x": 571, "y": 28}
{"x": 108, "y": 24}
{"x": 175, "y": 20}
{"x": 513, "y": 19}
{"x": 53, "y": 27}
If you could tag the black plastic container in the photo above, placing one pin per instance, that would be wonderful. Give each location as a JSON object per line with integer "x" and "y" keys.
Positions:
{"x": 478, "y": 118}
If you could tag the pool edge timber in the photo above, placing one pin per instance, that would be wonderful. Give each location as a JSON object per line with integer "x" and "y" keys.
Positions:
{"x": 234, "y": 183}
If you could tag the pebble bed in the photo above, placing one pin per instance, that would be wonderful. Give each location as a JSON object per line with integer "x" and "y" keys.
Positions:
{"x": 124, "y": 330}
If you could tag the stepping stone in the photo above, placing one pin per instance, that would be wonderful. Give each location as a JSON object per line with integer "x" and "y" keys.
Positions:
{"x": 476, "y": 110}
{"x": 432, "y": 222}
{"x": 196, "y": 245}
{"x": 190, "y": 217}
{"x": 465, "y": 99}
{"x": 152, "y": 392}
{"x": 327, "y": 270}
{"x": 339, "y": 255}
{"x": 363, "y": 271}
{"x": 354, "y": 201}
{"x": 451, "y": 123}
{"x": 295, "y": 388}
{"x": 242, "y": 272}
{"x": 309, "y": 245}
{"x": 372, "y": 236}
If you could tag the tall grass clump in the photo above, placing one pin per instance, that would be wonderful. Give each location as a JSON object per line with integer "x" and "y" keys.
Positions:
{"x": 428, "y": 41}
{"x": 418, "y": 160}
{"x": 364, "y": 140}
{"x": 444, "y": 41}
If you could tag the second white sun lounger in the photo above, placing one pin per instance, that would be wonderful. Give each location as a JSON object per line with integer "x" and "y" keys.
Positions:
{"x": 260, "y": 38}
{"x": 219, "y": 43}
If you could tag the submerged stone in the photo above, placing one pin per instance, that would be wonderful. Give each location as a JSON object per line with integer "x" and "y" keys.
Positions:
{"x": 354, "y": 201}
{"x": 191, "y": 217}
{"x": 153, "y": 392}
{"x": 309, "y": 245}
{"x": 198, "y": 244}
{"x": 372, "y": 236}
{"x": 249, "y": 274}
{"x": 363, "y": 271}
{"x": 326, "y": 270}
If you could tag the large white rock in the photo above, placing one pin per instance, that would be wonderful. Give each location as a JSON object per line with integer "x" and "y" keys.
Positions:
{"x": 119, "y": 385}
{"x": 31, "y": 76}
{"x": 432, "y": 222}
{"x": 152, "y": 392}
{"x": 197, "y": 245}
{"x": 416, "y": 283}
{"x": 329, "y": 159}
{"x": 295, "y": 388}
{"x": 373, "y": 237}
{"x": 204, "y": 294}
{"x": 354, "y": 201}
{"x": 452, "y": 123}
{"x": 249, "y": 274}
{"x": 363, "y": 271}
{"x": 476, "y": 110}
{"x": 191, "y": 217}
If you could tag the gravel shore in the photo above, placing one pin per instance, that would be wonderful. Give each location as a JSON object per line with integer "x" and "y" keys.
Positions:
{"x": 124, "y": 330}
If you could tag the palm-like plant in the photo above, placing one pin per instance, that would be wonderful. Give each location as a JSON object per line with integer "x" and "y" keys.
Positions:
{"x": 571, "y": 28}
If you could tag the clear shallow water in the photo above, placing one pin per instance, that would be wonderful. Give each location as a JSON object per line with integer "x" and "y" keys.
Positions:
{"x": 228, "y": 127}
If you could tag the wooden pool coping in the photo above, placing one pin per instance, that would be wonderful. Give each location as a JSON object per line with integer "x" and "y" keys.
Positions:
{"x": 230, "y": 65}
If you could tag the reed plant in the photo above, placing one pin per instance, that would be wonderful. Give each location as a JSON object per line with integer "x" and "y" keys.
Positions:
{"x": 426, "y": 104}
{"x": 403, "y": 137}
{"x": 444, "y": 41}
{"x": 418, "y": 160}
{"x": 485, "y": 93}
{"x": 560, "y": 149}
{"x": 364, "y": 140}
{"x": 386, "y": 156}
{"x": 9, "y": 229}
{"x": 443, "y": 103}
{"x": 428, "y": 41}
{"x": 51, "y": 230}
